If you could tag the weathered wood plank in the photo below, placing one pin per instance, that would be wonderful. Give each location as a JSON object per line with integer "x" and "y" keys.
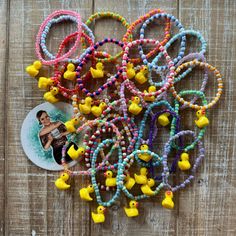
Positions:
{"x": 3, "y": 56}
{"x": 33, "y": 203}
{"x": 207, "y": 208}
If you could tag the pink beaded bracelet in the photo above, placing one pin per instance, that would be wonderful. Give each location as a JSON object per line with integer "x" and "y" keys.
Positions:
{"x": 41, "y": 29}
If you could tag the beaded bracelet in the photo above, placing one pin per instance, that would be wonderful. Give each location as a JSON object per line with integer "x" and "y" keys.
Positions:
{"x": 139, "y": 21}
{"x": 66, "y": 92}
{"x": 60, "y": 19}
{"x": 86, "y": 58}
{"x": 41, "y": 29}
{"x": 180, "y": 56}
{"x": 182, "y": 36}
{"x": 166, "y": 171}
{"x": 201, "y": 65}
{"x": 112, "y": 15}
{"x": 202, "y": 131}
{"x": 170, "y": 63}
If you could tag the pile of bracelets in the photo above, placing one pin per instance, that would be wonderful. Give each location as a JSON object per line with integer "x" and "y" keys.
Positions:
{"x": 121, "y": 102}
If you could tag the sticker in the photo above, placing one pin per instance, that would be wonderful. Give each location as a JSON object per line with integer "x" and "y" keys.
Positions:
{"x": 43, "y": 135}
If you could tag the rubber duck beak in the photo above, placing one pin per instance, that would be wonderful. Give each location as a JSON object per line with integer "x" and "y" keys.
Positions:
{"x": 136, "y": 204}
{"x": 105, "y": 174}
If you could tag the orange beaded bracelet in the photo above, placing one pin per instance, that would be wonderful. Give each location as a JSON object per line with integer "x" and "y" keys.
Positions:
{"x": 201, "y": 65}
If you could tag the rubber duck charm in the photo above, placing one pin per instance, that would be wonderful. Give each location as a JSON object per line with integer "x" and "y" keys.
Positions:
{"x": 70, "y": 125}
{"x": 151, "y": 89}
{"x": 45, "y": 83}
{"x": 142, "y": 178}
{"x": 110, "y": 182}
{"x": 163, "y": 119}
{"x": 85, "y": 193}
{"x": 61, "y": 181}
{"x": 168, "y": 202}
{"x": 202, "y": 119}
{"x": 145, "y": 157}
{"x": 146, "y": 188}
{"x": 98, "y": 72}
{"x": 75, "y": 154}
{"x": 33, "y": 69}
{"x": 99, "y": 217}
{"x": 132, "y": 211}
{"x": 86, "y": 107}
{"x": 130, "y": 70}
{"x": 50, "y": 95}
{"x": 70, "y": 73}
{"x": 141, "y": 75}
{"x": 184, "y": 163}
{"x": 97, "y": 110}
{"x": 134, "y": 107}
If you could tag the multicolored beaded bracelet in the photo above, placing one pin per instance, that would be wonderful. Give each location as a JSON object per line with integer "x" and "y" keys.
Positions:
{"x": 111, "y": 81}
{"x": 182, "y": 44}
{"x": 111, "y": 15}
{"x": 41, "y": 29}
{"x": 170, "y": 64}
{"x": 139, "y": 21}
{"x": 166, "y": 172}
{"x": 60, "y": 19}
{"x": 201, "y": 65}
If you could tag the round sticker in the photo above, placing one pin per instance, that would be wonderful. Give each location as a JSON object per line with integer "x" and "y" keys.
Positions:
{"x": 43, "y": 134}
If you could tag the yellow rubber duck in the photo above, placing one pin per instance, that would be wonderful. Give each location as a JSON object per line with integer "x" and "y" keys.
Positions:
{"x": 110, "y": 182}
{"x": 61, "y": 181}
{"x": 134, "y": 107}
{"x": 44, "y": 82}
{"x": 146, "y": 188}
{"x": 99, "y": 217}
{"x": 140, "y": 76}
{"x": 70, "y": 73}
{"x": 97, "y": 110}
{"x": 202, "y": 119}
{"x": 33, "y": 69}
{"x": 184, "y": 163}
{"x": 98, "y": 72}
{"x": 145, "y": 157}
{"x": 142, "y": 178}
{"x": 151, "y": 89}
{"x": 50, "y": 96}
{"x": 86, "y": 107}
{"x": 130, "y": 70}
{"x": 129, "y": 182}
{"x": 70, "y": 125}
{"x": 84, "y": 193}
{"x": 163, "y": 119}
{"x": 132, "y": 211}
{"x": 75, "y": 154}
{"x": 168, "y": 202}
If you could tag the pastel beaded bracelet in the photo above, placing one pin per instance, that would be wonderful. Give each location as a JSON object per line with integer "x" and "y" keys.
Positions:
{"x": 112, "y": 15}
{"x": 41, "y": 29}
{"x": 185, "y": 33}
{"x": 201, "y": 65}
{"x": 60, "y": 19}
{"x": 166, "y": 172}
{"x": 182, "y": 36}
{"x": 139, "y": 21}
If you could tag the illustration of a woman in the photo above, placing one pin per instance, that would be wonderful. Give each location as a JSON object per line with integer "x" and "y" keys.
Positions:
{"x": 53, "y": 134}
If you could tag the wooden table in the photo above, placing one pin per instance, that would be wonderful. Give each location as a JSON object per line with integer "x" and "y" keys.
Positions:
{"x": 29, "y": 202}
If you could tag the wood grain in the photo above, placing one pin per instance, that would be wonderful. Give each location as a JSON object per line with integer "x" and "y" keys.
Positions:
{"x": 29, "y": 203}
{"x": 3, "y": 59}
